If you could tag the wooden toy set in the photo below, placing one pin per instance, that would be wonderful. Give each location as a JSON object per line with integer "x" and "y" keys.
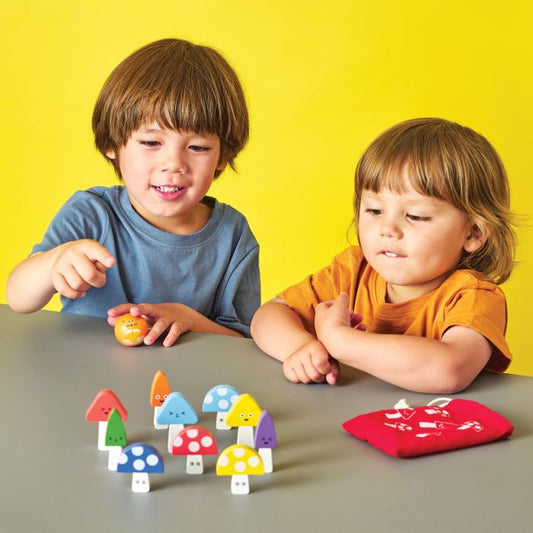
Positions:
{"x": 251, "y": 455}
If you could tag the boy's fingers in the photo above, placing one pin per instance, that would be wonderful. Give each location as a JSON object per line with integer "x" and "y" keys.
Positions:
{"x": 73, "y": 279}
{"x": 342, "y": 299}
{"x": 332, "y": 376}
{"x": 144, "y": 310}
{"x": 320, "y": 362}
{"x": 290, "y": 373}
{"x": 101, "y": 268}
{"x": 313, "y": 374}
{"x": 90, "y": 273}
{"x": 118, "y": 310}
{"x": 157, "y": 329}
{"x": 173, "y": 334}
{"x": 97, "y": 253}
{"x": 63, "y": 288}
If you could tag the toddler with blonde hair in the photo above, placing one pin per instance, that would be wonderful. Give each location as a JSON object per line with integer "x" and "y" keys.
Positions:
{"x": 417, "y": 303}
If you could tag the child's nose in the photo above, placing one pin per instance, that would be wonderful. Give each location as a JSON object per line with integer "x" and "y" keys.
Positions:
{"x": 390, "y": 227}
{"x": 174, "y": 162}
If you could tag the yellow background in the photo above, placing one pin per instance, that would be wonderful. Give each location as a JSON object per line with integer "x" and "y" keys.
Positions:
{"x": 322, "y": 80}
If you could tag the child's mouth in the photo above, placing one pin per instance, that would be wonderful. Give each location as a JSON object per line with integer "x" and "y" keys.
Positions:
{"x": 390, "y": 254}
{"x": 165, "y": 188}
{"x": 167, "y": 192}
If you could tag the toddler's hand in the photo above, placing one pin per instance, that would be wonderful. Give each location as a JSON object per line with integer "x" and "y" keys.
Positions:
{"x": 311, "y": 363}
{"x": 173, "y": 318}
{"x": 331, "y": 315}
{"x": 79, "y": 266}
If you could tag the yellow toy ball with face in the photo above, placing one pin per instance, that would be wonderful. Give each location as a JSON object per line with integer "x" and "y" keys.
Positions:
{"x": 131, "y": 330}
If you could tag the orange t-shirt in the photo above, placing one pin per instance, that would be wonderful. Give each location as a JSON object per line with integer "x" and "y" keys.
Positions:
{"x": 465, "y": 298}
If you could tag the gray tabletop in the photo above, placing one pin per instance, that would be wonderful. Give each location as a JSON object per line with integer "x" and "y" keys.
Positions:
{"x": 54, "y": 479}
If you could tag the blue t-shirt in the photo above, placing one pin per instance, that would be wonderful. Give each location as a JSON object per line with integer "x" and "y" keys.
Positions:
{"x": 215, "y": 270}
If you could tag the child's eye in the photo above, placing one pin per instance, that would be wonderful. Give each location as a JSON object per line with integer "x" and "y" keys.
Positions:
{"x": 373, "y": 212}
{"x": 150, "y": 144}
{"x": 417, "y": 218}
{"x": 198, "y": 148}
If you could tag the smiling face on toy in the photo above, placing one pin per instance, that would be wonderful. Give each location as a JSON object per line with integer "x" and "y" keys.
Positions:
{"x": 131, "y": 330}
{"x": 265, "y": 442}
{"x": 118, "y": 440}
{"x": 102, "y": 405}
{"x": 176, "y": 410}
{"x": 244, "y": 412}
{"x": 179, "y": 414}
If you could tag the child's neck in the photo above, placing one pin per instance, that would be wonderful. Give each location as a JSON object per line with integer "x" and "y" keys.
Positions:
{"x": 395, "y": 294}
{"x": 185, "y": 224}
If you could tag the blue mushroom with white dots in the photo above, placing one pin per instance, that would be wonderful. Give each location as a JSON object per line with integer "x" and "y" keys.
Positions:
{"x": 219, "y": 400}
{"x": 140, "y": 459}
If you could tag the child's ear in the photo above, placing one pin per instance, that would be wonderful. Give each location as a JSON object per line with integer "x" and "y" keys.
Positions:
{"x": 110, "y": 153}
{"x": 476, "y": 239}
{"x": 222, "y": 165}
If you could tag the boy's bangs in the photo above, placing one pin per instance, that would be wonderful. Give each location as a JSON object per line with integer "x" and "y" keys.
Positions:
{"x": 180, "y": 111}
{"x": 427, "y": 177}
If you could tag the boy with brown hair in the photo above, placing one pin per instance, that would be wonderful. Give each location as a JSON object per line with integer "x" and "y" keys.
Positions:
{"x": 169, "y": 118}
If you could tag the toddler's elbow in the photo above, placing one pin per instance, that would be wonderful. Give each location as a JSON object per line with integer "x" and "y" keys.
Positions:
{"x": 453, "y": 382}
{"x": 261, "y": 316}
{"x": 255, "y": 324}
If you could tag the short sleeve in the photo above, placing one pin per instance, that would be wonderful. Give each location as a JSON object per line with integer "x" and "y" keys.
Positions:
{"x": 483, "y": 308}
{"x": 242, "y": 294}
{"x": 324, "y": 285}
{"x": 83, "y": 216}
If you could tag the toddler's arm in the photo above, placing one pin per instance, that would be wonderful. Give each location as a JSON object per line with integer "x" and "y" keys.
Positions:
{"x": 420, "y": 364}
{"x": 71, "y": 269}
{"x": 173, "y": 318}
{"x": 278, "y": 331}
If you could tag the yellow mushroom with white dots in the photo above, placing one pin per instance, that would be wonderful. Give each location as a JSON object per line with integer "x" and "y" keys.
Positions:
{"x": 240, "y": 461}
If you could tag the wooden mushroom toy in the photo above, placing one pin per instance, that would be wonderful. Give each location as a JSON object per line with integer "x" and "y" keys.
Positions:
{"x": 265, "y": 439}
{"x": 115, "y": 439}
{"x": 176, "y": 412}
{"x": 194, "y": 442}
{"x": 219, "y": 400}
{"x": 239, "y": 461}
{"x": 140, "y": 459}
{"x": 244, "y": 414}
{"x": 158, "y": 394}
{"x": 99, "y": 411}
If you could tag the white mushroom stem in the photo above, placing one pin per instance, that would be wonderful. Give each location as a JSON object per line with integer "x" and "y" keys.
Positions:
{"x": 266, "y": 456}
{"x": 195, "y": 464}
{"x": 140, "y": 482}
{"x": 112, "y": 457}
{"x": 102, "y": 430}
{"x": 173, "y": 430}
{"x": 245, "y": 435}
{"x": 221, "y": 420}
{"x": 239, "y": 484}
{"x": 157, "y": 408}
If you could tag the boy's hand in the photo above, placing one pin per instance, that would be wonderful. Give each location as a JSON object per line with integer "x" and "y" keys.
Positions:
{"x": 79, "y": 266}
{"x": 311, "y": 363}
{"x": 173, "y": 318}
{"x": 335, "y": 314}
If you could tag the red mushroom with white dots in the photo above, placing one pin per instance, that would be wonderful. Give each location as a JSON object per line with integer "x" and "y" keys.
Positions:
{"x": 194, "y": 442}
